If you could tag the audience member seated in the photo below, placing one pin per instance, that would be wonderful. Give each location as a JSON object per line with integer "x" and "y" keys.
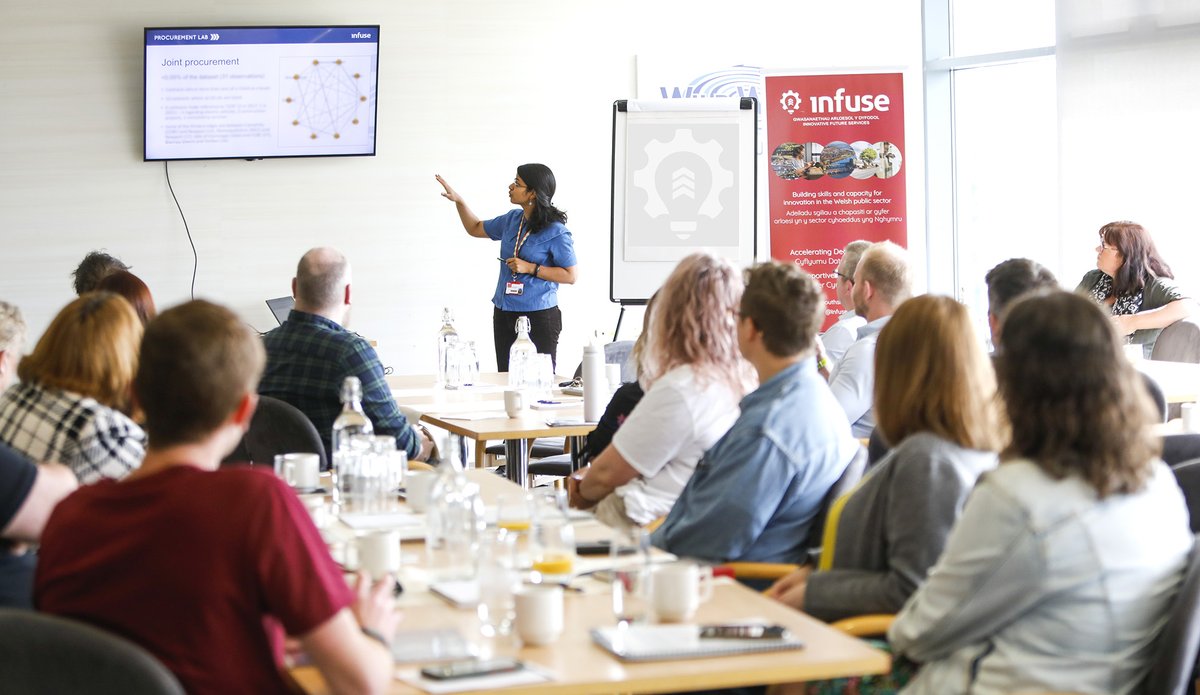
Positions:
{"x": 935, "y": 396}
{"x": 73, "y": 402}
{"x": 1135, "y": 285}
{"x": 693, "y": 377}
{"x": 93, "y": 268}
{"x": 1011, "y": 279}
{"x": 1060, "y": 572}
{"x": 12, "y": 340}
{"x": 310, "y": 355}
{"x": 208, "y": 568}
{"x": 756, "y": 492}
{"x": 882, "y": 281}
{"x": 28, "y": 493}
{"x": 133, "y": 290}
{"x": 838, "y": 338}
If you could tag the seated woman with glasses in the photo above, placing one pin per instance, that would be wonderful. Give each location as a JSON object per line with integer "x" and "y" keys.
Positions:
{"x": 1135, "y": 285}
{"x": 694, "y": 377}
{"x": 1060, "y": 572}
{"x": 73, "y": 403}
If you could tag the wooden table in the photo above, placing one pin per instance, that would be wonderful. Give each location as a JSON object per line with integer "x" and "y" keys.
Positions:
{"x": 438, "y": 407}
{"x": 578, "y": 666}
{"x": 1180, "y": 381}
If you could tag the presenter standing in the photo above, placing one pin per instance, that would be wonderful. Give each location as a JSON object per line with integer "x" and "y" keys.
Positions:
{"x": 537, "y": 254}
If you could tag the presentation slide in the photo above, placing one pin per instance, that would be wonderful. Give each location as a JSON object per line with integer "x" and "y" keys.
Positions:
{"x": 226, "y": 92}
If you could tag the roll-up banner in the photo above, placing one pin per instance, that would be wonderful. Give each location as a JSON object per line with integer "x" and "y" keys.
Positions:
{"x": 836, "y": 159}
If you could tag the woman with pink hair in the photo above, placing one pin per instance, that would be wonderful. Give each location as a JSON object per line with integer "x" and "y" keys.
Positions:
{"x": 694, "y": 377}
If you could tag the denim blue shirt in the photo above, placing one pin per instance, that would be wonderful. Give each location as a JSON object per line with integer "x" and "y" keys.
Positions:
{"x": 552, "y": 246}
{"x": 757, "y": 490}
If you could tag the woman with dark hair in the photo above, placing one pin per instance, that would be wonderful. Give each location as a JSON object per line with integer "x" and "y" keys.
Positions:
{"x": 537, "y": 253}
{"x": 134, "y": 291}
{"x": 1064, "y": 564}
{"x": 1135, "y": 284}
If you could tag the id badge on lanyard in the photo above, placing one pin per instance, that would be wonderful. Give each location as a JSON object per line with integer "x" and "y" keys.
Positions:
{"x": 514, "y": 288}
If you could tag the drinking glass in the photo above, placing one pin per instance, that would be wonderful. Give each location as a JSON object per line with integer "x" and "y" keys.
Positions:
{"x": 631, "y": 576}
{"x": 456, "y": 363}
{"x": 544, "y": 374}
{"x": 471, "y": 357}
{"x": 553, "y": 539}
{"x": 498, "y": 582}
{"x": 514, "y": 511}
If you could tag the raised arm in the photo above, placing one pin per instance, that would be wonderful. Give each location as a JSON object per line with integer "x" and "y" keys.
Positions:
{"x": 470, "y": 221}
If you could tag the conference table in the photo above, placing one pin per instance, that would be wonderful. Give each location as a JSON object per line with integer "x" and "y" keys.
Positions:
{"x": 1180, "y": 381}
{"x": 574, "y": 664}
{"x": 477, "y": 412}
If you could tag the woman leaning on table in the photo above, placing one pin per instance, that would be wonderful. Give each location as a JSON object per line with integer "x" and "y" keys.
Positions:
{"x": 1062, "y": 568}
{"x": 1135, "y": 284}
{"x": 537, "y": 254}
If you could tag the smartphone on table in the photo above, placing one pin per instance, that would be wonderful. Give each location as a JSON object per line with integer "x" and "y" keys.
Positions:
{"x": 471, "y": 668}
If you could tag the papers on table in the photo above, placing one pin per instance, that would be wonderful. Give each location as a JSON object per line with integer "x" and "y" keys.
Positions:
{"x": 461, "y": 593}
{"x": 526, "y": 676}
{"x": 411, "y": 526}
{"x": 427, "y": 646}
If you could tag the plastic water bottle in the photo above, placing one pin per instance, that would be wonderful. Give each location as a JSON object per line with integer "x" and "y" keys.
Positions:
{"x": 351, "y": 423}
{"x": 595, "y": 382}
{"x": 446, "y": 335}
{"x": 520, "y": 356}
{"x": 454, "y": 520}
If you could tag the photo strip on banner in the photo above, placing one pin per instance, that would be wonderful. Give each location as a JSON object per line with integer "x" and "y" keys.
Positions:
{"x": 836, "y": 169}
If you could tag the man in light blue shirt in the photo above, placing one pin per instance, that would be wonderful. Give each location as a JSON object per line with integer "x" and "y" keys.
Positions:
{"x": 882, "y": 281}
{"x": 756, "y": 492}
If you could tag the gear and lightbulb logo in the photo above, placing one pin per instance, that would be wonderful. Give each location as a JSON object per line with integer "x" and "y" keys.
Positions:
{"x": 791, "y": 101}
{"x": 693, "y": 185}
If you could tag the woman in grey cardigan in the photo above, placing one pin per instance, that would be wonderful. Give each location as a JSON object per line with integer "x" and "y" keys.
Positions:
{"x": 934, "y": 397}
{"x": 1063, "y": 566}
{"x": 1134, "y": 284}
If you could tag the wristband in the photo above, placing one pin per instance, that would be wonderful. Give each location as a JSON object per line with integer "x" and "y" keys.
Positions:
{"x": 537, "y": 270}
{"x": 823, "y": 363}
{"x": 377, "y": 637}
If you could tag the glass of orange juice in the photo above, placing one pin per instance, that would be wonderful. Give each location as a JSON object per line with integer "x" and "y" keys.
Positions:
{"x": 514, "y": 511}
{"x": 553, "y": 538}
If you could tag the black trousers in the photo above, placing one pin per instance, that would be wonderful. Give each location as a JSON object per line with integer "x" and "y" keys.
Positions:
{"x": 544, "y": 327}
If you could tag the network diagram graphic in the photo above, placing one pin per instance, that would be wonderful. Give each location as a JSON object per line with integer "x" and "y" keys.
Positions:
{"x": 325, "y": 99}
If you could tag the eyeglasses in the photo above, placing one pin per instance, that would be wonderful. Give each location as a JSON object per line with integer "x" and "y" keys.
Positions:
{"x": 517, "y": 184}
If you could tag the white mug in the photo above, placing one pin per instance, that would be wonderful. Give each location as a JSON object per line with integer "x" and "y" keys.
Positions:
{"x": 539, "y": 609}
{"x": 677, "y": 590}
{"x": 301, "y": 471}
{"x": 613, "y": 372}
{"x": 379, "y": 553}
{"x": 515, "y": 402}
{"x": 417, "y": 486}
{"x": 1189, "y": 417}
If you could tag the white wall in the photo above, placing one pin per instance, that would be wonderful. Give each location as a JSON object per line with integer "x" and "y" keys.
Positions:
{"x": 468, "y": 89}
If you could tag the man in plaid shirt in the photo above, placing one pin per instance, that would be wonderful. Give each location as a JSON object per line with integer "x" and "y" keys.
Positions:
{"x": 310, "y": 355}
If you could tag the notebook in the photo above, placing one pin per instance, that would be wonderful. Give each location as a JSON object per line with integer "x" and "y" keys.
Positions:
{"x": 668, "y": 642}
{"x": 281, "y": 307}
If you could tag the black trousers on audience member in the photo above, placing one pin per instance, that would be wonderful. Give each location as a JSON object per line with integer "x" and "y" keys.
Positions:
{"x": 544, "y": 327}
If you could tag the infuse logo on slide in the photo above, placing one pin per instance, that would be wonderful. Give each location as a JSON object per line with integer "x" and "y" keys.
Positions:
{"x": 791, "y": 101}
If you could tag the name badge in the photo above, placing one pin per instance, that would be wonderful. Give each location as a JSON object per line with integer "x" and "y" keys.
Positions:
{"x": 514, "y": 288}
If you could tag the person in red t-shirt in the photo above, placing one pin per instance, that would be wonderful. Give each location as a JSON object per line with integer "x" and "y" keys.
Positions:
{"x": 210, "y": 568}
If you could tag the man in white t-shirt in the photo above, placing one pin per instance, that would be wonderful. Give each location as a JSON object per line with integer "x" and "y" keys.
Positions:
{"x": 838, "y": 337}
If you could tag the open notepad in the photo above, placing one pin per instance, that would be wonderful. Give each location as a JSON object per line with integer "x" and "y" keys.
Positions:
{"x": 665, "y": 642}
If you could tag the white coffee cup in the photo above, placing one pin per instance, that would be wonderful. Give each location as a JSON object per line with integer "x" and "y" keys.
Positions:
{"x": 417, "y": 485}
{"x": 515, "y": 402}
{"x": 1189, "y": 415}
{"x": 378, "y": 553}
{"x": 301, "y": 471}
{"x": 539, "y": 609}
{"x": 613, "y": 372}
{"x": 678, "y": 589}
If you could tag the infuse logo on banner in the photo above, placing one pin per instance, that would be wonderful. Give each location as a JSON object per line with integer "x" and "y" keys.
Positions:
{"x": 836, "y": 159}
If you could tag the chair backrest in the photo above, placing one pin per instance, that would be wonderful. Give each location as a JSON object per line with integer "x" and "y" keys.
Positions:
{"x": 42, "y": 653}
{"x": 877, "y": 447}
{"x": 1157, "y": 395}
{"x": 1179, "y": 342}
{"x": 1175, "y": 659}
{"x": 1178, "y": 448}
{"x": 849, "y": 478}
{"x": 278, "y": 427}
{"x": 1187, "y": 474}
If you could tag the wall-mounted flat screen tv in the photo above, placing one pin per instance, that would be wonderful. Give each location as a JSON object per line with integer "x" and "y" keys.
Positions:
{"x": 257, "y": 92}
